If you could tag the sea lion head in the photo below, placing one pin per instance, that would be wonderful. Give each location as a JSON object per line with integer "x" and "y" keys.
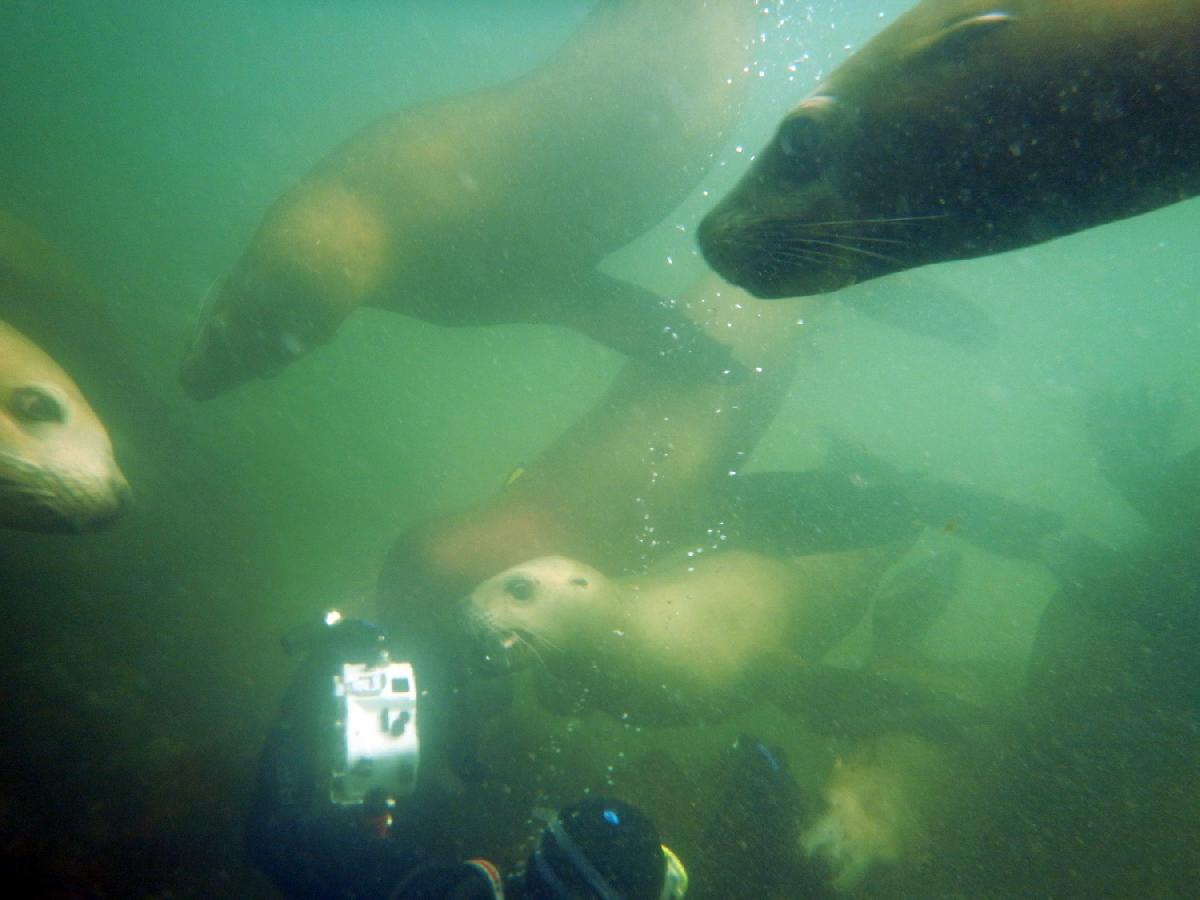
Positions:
{"x": 57, "y": 471}
{"x": 543, "y": 608}
{"x": 854, "y": 183}
{"x": 317, "y": 254}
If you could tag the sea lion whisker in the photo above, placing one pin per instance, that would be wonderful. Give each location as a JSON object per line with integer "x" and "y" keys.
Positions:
{"x": 789, "y": 219}
{"x": 853, "y": 249}
{"x": 880, "y": 220}
{"x": 872, "y": 240}
{"x": 807, "y": 254}
{"x": 804, "y": 256}
{"x": 530, "y": 642}
{"x": 531, "y": 639}
{"x": 783, "y": 258}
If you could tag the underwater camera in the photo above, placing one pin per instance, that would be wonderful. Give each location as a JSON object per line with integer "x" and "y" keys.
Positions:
{"x": 376, "y": 743}
{"x": 366, "y": 709}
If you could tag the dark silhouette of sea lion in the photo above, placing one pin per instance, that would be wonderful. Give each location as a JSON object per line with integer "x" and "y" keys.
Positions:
{"x": 968, "y": 128}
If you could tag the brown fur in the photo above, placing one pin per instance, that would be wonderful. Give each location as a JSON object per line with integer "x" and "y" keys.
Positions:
{"x": 967, "y": 128}
{"x": 494, "y": 207}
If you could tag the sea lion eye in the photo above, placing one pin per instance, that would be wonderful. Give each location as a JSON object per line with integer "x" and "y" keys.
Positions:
{"x": 801, "y": 137}
{"x": 36, "y": 405}
{"x": 519, "y": 588}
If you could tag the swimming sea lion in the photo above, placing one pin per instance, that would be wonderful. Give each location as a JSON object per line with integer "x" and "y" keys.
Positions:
{"x": 57, "y": 471}
{"x": 496, "y": 207}
{"x": 967, "y": 128}
{"x": 637, "y": 477}
{"x": 691, "y": 639}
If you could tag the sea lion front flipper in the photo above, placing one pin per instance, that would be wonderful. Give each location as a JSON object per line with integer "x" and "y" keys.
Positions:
{"x": 924, "y": 307}
{"x": 856, "y": 703}
{"x": 644, "y": 326}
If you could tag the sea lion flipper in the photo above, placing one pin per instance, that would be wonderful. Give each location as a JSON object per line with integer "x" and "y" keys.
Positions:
{"x": 645, "y": 326}
{"x": 926, "y": 308}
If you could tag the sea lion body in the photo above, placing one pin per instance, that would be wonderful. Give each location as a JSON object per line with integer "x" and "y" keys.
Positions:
{"x": 57, "y": 470}
{"x": 686, "y": 639}
{"x": 496, "y": 207}
{"x": 968, "y": 128}
{"x": 638, "y": 477}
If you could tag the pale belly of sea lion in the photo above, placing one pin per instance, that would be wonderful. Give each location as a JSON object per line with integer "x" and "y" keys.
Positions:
{"x": 967, "y": 128}
{"x": 687, "y": 640}
{"x": 57, "y": 470}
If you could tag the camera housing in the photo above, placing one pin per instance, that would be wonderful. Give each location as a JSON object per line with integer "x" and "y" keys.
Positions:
{"x": 376, "y": 743}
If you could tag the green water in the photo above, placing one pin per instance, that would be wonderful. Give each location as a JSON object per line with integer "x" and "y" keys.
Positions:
{"x": 147, "y": 139}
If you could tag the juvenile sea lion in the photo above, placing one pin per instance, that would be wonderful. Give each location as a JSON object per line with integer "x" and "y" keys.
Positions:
{"x": 686, "y": 640}
{"x": 496, "y": 207}
{"x": 967, "y": 128}
{"x": 57, "y": 471}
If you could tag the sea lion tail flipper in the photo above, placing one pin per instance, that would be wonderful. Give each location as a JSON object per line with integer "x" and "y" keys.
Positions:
{"x": 647, "y": 327}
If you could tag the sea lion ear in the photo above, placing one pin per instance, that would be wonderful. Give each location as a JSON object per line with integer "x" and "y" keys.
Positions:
{"x": 957, "y": 35}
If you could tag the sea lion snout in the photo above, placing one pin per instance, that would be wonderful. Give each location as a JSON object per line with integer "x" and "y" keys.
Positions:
{"x": 254, "y": 326}
{"x": 496, "y": 648}
{"x": 209, "y": 367}
{"x": 806, "y": 239}
{"x": 754, "y": 246}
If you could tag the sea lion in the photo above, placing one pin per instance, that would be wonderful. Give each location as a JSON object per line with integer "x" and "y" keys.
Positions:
{"x": 57, "y": 470}
{"x": 497, "y": 206}
{"x": 637, "y": 477}
{"x": 967, "y": 128}
{"x": 692, "y": 639}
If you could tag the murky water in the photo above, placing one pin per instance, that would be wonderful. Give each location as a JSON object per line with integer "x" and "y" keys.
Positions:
{"x": 146, "y": 141}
